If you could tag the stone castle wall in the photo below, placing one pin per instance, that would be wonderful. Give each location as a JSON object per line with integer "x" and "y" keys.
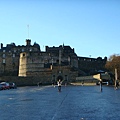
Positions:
{"x": 9, "y": 62}
{"x": 33, "y": 62}
{"x": 26, "y": 81}
{"x": 36, "y": 65}
{"x": 91, "y": 65}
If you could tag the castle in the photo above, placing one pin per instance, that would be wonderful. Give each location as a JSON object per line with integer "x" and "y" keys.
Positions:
{"x": 54, "y": 63}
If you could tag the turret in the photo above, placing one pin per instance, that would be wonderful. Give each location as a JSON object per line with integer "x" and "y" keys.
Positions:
{"x": 28, "y": 42}
{"x": 1, "y": 45}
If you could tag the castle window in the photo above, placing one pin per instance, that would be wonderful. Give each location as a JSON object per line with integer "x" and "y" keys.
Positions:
{"x": 30, "y": 49}
{"x": 59, "y": 71}
{"x": 14, "y": 50}
{"x": 22, "y": 50}
{"x": 23, "y": 55}
{"x": 3, "y": 60}
{"x": 13, "y": 55}
{"x": 3, "y": 55}
{"x": 3, "y": 50}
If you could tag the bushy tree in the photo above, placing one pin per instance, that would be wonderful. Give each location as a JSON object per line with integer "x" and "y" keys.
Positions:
{"x": 112, "y": 63}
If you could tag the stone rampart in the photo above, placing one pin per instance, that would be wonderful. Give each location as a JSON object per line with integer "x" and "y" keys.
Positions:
{"x": 26, "y": 81}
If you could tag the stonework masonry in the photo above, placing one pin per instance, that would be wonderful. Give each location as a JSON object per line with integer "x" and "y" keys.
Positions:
{"x": 45, "y": 66}
{"x": 9, "y": 56}
{"x": 50, "y": 65}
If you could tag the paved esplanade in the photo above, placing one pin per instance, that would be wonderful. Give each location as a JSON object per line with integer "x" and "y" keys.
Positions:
{"x": 73, "y": 103}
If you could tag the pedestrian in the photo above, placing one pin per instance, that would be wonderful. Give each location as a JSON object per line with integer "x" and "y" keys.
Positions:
{"x": 59, "y": 85}
{"x": 82, "y": 83}
{"x": 101, "y": 85}
{"x": 117, "y": 84}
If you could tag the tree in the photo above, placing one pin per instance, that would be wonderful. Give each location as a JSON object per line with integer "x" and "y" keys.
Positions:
{"x": 112, "y": 63}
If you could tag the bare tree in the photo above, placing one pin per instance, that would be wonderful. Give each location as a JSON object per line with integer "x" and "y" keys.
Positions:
{"x": 112, "y": 63}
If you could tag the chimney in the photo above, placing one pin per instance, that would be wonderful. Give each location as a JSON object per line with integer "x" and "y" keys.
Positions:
{"x": 28, "y": 42}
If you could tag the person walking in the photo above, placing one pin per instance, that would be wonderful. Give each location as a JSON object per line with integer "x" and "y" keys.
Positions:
{"x": 117, "y": 84}
{"x": 101, "y": 85}
{"x": 59, "y": 85}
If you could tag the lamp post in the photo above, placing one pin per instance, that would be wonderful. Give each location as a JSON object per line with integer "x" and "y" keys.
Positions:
{"x": 115, "y": 78}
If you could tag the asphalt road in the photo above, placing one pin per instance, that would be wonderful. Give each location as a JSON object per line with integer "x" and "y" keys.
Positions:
{"x": 72, "y": 103}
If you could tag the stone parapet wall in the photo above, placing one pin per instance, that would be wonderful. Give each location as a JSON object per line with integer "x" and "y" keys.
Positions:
{"x": 26, "y": 81}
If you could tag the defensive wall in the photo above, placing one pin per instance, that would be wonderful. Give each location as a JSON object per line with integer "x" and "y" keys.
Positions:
{"x": 35, "y": 80}
{"x": 41, "y": 64}
{"x": 93, "y": 79}
{"x": 28, "y": 81}
{"x": 25, "y": 81}
{"x": 91, "y": 65}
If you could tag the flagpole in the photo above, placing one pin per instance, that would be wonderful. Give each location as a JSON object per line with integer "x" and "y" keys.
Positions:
{"x": 28, "y": 30}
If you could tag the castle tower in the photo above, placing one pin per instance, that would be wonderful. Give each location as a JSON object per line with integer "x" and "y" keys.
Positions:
{"x": 22, "y": 64}
{"x": 28, "y": 42}
{"x": 1, "y": 45}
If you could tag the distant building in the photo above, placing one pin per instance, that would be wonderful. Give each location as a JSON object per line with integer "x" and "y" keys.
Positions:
{"x": 54, "y": 63}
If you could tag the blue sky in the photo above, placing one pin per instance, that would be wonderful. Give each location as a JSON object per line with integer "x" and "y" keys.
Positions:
{"x": 91, "y": 27}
